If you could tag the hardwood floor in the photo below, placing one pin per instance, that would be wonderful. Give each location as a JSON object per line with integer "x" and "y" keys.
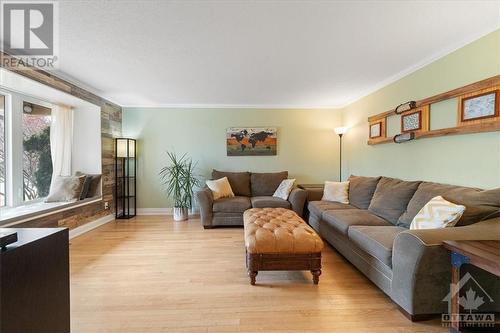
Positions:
{"x": 150, "y": 274}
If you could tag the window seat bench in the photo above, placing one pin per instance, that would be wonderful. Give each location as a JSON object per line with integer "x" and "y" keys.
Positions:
{"x": 15, "y": 215}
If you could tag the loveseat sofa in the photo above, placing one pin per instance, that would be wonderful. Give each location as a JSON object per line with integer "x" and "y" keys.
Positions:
{"x": 410, "y": 266}
{"x": 251, "y": 190}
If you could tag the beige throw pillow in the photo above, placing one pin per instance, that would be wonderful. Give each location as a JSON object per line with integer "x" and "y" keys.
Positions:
{"x": 284, "y": 189}
{"x": 64, "y": 189}
{"x": 437, "y": 213}
{"x": 220, "y": 188}
{"x": 336, "y": 191}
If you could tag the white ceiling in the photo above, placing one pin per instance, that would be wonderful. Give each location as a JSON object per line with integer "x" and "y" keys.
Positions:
{"x": 258, "y": 53}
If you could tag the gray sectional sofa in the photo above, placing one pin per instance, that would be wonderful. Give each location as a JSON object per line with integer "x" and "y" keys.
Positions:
{"x": 410, "y": 266}
{"x": 252, "y": 190}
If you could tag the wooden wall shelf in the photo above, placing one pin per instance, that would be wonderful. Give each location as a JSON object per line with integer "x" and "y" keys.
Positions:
{"x": 476, "y": 126}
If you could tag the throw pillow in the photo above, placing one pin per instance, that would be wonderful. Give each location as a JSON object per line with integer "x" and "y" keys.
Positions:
{"x": 284, "y": 189}
{"x": 437, "y": 213}
{"x": 86, "y": 187}
{"x": 94, "y": 184}
{"x": 220, "y": 188}
{"x": 336, "y": 191}
{"x": 66, "y": 189}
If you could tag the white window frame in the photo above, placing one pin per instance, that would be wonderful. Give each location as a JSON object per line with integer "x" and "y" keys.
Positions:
{"x": 14, "y": 145}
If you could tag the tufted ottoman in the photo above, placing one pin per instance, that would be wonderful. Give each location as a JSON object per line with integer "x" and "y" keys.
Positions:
{"x": 278, "y": 239}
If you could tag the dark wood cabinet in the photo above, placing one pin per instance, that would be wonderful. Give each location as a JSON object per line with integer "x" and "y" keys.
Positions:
{"x": 34, "y": 282}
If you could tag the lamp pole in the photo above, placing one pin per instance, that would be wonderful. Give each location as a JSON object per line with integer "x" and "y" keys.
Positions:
{"x": 340, "y": 132}
{"x": 340, "y": 159}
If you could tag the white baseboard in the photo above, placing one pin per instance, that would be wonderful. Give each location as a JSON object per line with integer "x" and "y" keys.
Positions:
{"x": 154, "y": 211}
{"x": 160, "y": 211}
{"x": 91, "y": 225}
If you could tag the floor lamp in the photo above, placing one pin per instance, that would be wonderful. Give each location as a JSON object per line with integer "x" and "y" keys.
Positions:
{"x": 340, "y": 131}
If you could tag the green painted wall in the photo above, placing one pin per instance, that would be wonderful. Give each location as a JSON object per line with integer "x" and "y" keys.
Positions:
{"x": 307, "y": 145}
{"x": 470, "y": 160}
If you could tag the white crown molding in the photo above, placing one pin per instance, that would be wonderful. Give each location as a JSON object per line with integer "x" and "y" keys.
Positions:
{"x": 427, "y": 61}
{"x": 90, "y": 226}
{"x": 389, "y": 80}
{"x": 232, "y": 106}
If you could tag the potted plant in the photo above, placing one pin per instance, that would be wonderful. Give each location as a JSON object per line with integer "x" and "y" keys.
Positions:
{"x": 179, "y": 179}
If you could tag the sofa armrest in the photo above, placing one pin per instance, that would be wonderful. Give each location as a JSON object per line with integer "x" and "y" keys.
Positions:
{"x": 315, "y": 194}
{"x": 422, "y": 270}
{"x": 205, "y": 200}
{"x": 485, "y": 230}
{"x": 297, "y": 199}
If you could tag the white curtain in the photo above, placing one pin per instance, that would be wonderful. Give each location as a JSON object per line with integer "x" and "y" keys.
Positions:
{"x": 61, "y": 140}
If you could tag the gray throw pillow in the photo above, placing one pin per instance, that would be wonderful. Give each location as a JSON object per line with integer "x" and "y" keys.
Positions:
{"x": 65, "y": 189}
{"x": 95, "y": 181}
{"x": 86, "y": 187}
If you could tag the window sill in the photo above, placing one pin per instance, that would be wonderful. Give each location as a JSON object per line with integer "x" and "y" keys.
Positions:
{"x": 12, "y": 216}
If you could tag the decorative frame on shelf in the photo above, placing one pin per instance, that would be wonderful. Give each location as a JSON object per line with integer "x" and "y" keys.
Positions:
{"x": 411, "y": 121}
{"x": 490, "y": 123}
{"x": 377, "y": 130}
{"x": 421, "y": 115}
{"x": 480, "y": 106}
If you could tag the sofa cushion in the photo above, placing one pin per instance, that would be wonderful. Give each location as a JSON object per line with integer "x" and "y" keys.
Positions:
{"x": 239, "y": 181}
{"x": 361, "y": 190}
{"x": 232, "y": 205}
{"x": 342, "y": 219}
{"x": 479, "y": 204}
{"x": 318, "y": 207}
{"x": 391, "y": 198}
{"x": 424, "y": 193}
{"x": 269, "y": 202}
{"x": 266, "y": 183}
{"x": 376, "y": 241}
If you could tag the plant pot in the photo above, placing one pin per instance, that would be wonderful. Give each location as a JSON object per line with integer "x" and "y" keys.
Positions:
{"x": 180, "y": 213}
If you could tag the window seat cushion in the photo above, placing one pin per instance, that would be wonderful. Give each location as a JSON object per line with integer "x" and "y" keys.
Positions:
{"x": 13, "y": 215}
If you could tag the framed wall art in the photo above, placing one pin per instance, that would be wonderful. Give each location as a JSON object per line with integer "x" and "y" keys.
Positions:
{"x": 477, "y": 105}
{"x": 411, "y": 121}
{"x": 251, "y": 141}
{"x": 376, "y": 130}
{"x": 480, "y": 106}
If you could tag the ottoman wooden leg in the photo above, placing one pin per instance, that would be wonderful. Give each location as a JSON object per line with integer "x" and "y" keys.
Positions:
{"x": 316, "y": 274}
{"x": 252, "y": 275}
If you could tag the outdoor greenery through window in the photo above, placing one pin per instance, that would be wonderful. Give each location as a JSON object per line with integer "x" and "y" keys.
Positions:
{"x": 2, "y": 151}
{"x": 37, "y": 161}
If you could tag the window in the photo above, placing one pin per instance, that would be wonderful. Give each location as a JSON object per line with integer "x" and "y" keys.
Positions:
{"x": 25, "y": 158}
{"x": 2, "y": 152}
{"x": 37, "y": 161}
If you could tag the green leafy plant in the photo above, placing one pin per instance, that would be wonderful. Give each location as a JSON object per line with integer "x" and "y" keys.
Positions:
{"x": 179, "y": 178}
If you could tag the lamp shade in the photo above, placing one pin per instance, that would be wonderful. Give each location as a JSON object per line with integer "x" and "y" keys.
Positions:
{"x": 121, "y": 147}
{"x": 340, "y": 130}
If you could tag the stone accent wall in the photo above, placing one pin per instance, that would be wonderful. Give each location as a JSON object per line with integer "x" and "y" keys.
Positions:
{"x": 111, "y": 127}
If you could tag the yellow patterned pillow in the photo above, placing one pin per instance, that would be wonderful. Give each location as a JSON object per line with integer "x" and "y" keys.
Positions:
{"x": 437, "y": 213}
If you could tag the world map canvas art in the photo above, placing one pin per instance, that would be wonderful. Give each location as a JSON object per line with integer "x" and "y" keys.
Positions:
{"x": 251, "y": 141}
